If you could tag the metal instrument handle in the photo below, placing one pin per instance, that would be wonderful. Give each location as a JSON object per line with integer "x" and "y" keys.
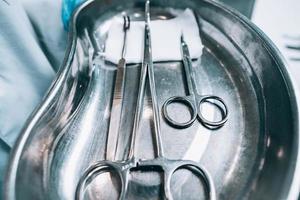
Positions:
{"x": 196, "y": 169}
{"x": 121, "y": 169}
{"x": 116, "y": 111}
{"x": 219, "y": 104}
{"x": 118, "y": 96}
{"x": 195, "y": 111}
{"x": 189, "y": 102}
{"x": 169, "y": 167}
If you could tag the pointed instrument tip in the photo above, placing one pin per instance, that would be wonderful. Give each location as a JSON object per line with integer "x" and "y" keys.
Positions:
{"x": 183, "y": 43}
{"x": 126, "y": 24}
{"x": 147, "y": 11}
{"x": 182, "y": 38}
{"x": 147, "y": 6}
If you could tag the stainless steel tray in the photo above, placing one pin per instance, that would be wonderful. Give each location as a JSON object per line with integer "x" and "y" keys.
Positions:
{"x": 255, "y": 155}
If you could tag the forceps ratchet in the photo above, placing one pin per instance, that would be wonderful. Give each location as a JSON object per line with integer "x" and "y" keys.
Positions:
{"x": 193, "y": 100}
{"x": 159, "y": 163}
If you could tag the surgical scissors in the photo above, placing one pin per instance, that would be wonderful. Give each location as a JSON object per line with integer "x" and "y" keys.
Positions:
{"x": 159, "y": 162}
{"x": 193, "y": 100}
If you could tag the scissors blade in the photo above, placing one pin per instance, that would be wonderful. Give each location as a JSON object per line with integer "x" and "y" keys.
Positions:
{"x": 116, "y": 111}
{"x": 185, "y": 48}
{"x": 188, "y": 67}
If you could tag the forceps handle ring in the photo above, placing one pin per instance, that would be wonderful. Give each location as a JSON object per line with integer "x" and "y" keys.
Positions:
{"x": 119, "y": 168}
{"x": 169, "y": 167}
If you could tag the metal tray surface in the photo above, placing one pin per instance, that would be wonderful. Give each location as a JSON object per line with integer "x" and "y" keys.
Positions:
{"x": 253, "y": 156}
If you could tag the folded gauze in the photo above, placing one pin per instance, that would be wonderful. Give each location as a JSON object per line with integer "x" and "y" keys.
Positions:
{"x": 165, "y": 36}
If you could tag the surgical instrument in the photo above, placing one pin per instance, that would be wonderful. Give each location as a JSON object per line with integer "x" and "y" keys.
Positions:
{"x": 118, "y": 94}
{"x": 193, "y": 100}
{"x": 160, "y": 162}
